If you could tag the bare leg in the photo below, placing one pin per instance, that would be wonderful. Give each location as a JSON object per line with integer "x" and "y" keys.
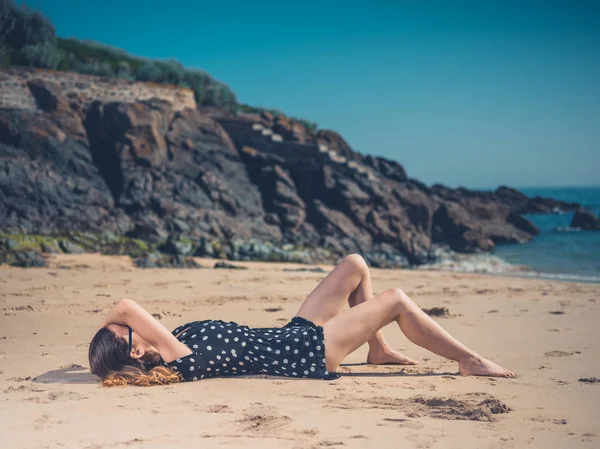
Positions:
{"x": 349, "y": 330}
{"x": 349, "y": 283}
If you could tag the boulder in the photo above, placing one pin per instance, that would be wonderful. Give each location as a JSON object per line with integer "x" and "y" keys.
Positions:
{"x": 585, "y": 219}
{"x": 69, "y": 247}
{"x": 229, "y": 266}
{"x": 178, "y": 246}
{"x": 23, "y": 258}
{"x": 156, "y": 260}
{"x": 452, "y": 224}
{"x": 522, "y": 204}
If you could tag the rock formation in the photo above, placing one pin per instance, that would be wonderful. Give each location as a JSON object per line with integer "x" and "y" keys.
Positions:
{"x": 250, "y": 186}
{"x": 585, "y": 219}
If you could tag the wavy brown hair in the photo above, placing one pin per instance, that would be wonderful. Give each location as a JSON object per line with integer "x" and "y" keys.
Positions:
{"x": 110, "y": 360}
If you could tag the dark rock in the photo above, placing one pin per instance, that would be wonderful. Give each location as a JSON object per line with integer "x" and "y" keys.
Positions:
{"x": 178, "y": 246}
{"x": 8, "y": 243}
{"x": 49, "y": 248}
{"x": 454, "y": 225}
{"x": 585, "y": 219}
{"x": 335, "y": 142}
{"x": 70, "y": 247}
{"x": 383, "y": 255}
{"x": 522, "y": 223}
{"x": 222, "y": 186}
{"x": 145, "y": 262}
{"x": 156, "y": 260}
{"x": 149, "y": 228}
{"x": 442, "y": 312}
{"x": 489, "y": 217}
{"x": 49, "y": 96}
{"x": 290, "y": 129}
{"x": 280, "y": 199}
{"x": 522, "y": 204}
{"x": 208, "y": 249}
{"x": 23, "y": 258}
{"x": 48, "y": 182}
{"x": 311, "y": 270}
{"x": 229, "y": 266}
{"x": 389, "y": 169}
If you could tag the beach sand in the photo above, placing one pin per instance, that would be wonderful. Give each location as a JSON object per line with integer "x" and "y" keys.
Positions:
{"x": 546, "y": 331}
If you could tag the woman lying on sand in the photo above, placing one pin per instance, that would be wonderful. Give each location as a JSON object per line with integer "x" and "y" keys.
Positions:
{"x": 133, "y": 348}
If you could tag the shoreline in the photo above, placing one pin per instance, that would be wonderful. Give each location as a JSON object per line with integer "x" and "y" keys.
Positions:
{"x": 494, "y": 265}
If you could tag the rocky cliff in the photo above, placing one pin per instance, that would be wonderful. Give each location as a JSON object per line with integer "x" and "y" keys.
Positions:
{"x": 187, "y": 181}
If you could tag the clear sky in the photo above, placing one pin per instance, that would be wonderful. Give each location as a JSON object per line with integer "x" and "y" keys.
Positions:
{"x": 474, "y": 93}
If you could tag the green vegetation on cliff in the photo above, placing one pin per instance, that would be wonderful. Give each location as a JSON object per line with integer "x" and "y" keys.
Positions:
{"x": 27, "y": 38}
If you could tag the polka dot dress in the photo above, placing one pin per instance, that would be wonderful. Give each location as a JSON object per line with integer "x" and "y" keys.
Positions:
{"x": 221, "y": 348}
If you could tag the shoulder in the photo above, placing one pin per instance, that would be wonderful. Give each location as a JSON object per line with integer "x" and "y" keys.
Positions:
{"x": 187, "y": 366}
{"x": 189, "y": 325}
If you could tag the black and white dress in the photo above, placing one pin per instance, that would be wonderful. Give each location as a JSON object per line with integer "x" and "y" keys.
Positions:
{"x": 221, "y": 348}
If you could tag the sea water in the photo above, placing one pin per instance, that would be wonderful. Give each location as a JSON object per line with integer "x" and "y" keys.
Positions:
{"x": 559, "y": 252}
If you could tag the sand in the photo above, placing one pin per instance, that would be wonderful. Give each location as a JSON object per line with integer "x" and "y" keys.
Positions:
{"x": 547, "y": 331}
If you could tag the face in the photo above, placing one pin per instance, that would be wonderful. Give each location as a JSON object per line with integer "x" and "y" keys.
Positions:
{"x": 140, "y": 347}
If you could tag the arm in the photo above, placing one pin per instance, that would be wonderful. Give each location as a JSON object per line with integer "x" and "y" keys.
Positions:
{"x": 129, "y": 313}
{"x": 116, "y": 315}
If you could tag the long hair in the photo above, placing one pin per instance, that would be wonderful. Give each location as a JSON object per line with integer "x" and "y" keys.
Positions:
{"x": 110, "y": 360}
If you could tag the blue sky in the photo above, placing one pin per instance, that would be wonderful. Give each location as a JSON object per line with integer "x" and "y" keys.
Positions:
{"x": 472, "y": 93}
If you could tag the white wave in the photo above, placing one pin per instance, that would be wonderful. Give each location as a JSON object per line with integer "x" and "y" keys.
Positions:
{"x": 558, "y": 276}
{"x": 472, "y": 263}
{"x": 491, "y": 264}
{"x": 567, "y": 229}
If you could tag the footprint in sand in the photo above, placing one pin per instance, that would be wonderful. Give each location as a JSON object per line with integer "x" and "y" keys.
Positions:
{"x": 405, "y": 423}
{"x": 60, "y": 395}
{"x": 541, "y": 419}
{"x": 560, "y": 353}
{"x": 134, "y": 441}
{"x": 218, "y": 408}
{"x": 263, "y": 419}
{"x": 23, "y": 389}
{"x": 329, "y": 443}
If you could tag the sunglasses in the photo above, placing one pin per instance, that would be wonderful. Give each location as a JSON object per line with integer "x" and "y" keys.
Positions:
{"x": 130, "y": 339}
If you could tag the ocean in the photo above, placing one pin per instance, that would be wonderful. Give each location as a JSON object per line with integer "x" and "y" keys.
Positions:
{"x": 559, "y": 252}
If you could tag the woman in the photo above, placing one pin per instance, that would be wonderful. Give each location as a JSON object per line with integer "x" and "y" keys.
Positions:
{"x": 132, "y": 347}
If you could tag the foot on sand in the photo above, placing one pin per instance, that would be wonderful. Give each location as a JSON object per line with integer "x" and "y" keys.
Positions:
{"x": 388, "y": 356}
{"x": 480, "y": 366}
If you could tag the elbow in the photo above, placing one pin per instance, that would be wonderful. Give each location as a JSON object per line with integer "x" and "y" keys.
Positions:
{"x": 126, "y": 302}
{"x": 124, "y": 306}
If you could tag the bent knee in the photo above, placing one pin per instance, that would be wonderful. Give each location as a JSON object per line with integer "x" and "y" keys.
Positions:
{"x": 356, "y": 261}
{"x": 400, "y": 296}
{"x": 396, "y": 292}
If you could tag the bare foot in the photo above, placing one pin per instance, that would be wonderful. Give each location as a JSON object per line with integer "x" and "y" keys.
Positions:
{"x": 388, "y": 356}
{"x": 480, "y": 366}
